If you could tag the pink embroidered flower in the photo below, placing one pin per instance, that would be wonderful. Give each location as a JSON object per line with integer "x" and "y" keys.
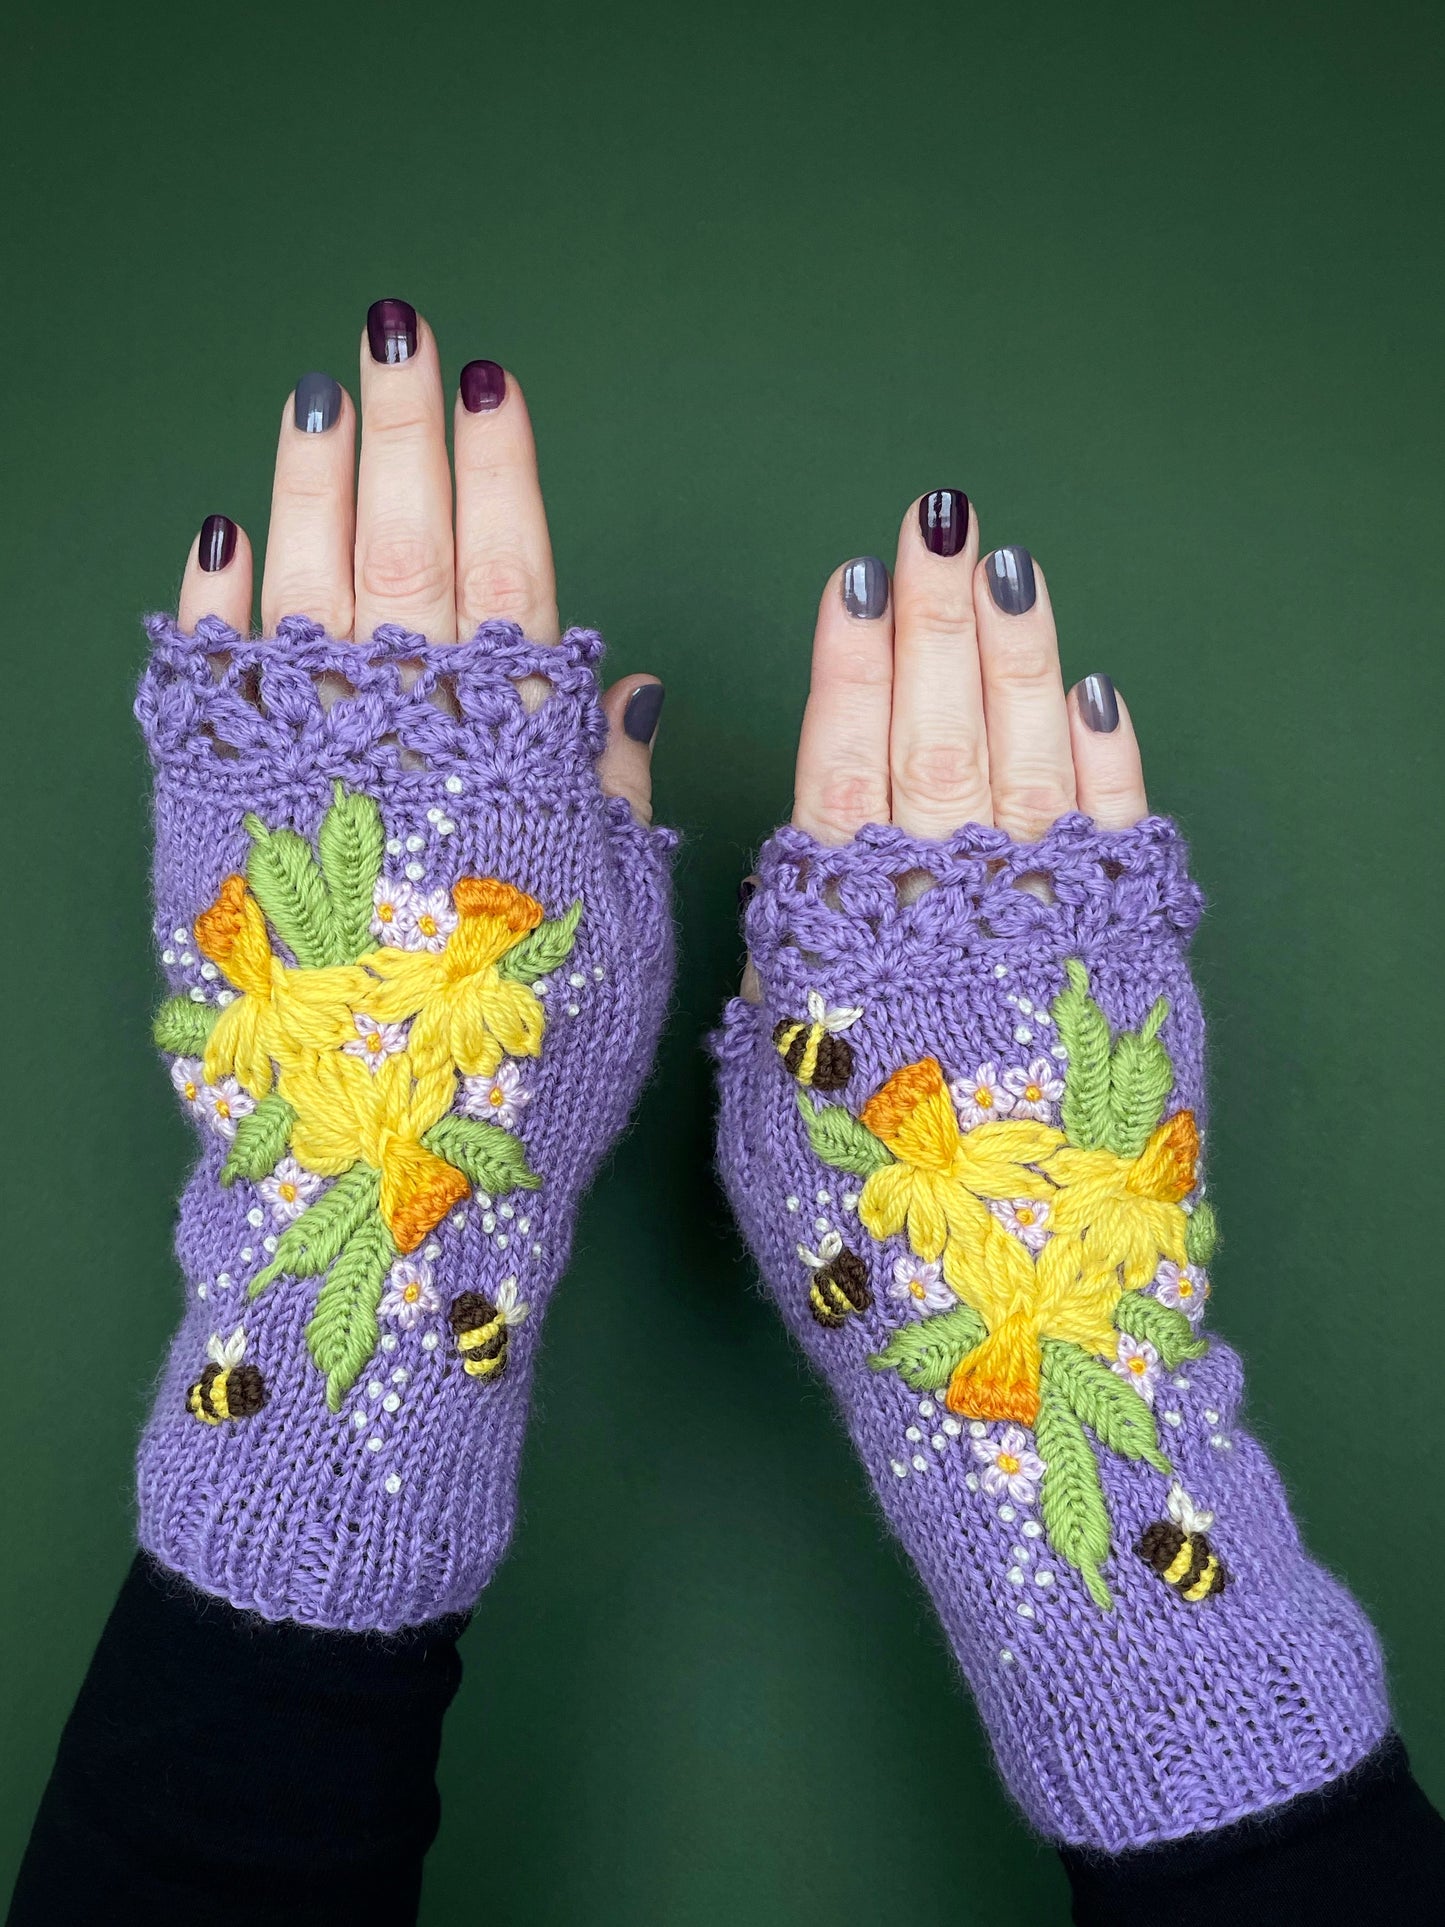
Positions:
{"x": 1026, "y": 1218}
{"x": 189, "y": 1083}
{"x": 1182, "y": 1287}
{"x": 289, "y": 1190}
{"x": 431, "y": 920}
{"x": 1012, "y": 1469}
{"x": 1138, "y": 1365}
{"x": 226, "y": 1104}
{"x": 391, "y": 911}
{"x": 374, "y": 1042}
{"x": 1036, "y": 1091}
{"x": 982, "y": 1098}
{"x": 410, "y": 1295}
{"x": 496, "y": 1099}
{"x": 919, "y": 1283}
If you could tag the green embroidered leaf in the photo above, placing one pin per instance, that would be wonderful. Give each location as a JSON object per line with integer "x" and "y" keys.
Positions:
{"x": 312, "y": 1244}
{"x": 839, "y": 1139}
{"x": 341, "y": 1335}
{"x": 184, "y": 1027}
{"x": 1141, "y": 1077}
{"x": 1167, "y": 1330}
{"x": 1115, "y": 1414}
{"x": 1084, "y": 1032}
{"x": 543, "y": 949}
{"x": 1202, "y": 1234}
{"x": 260, "y": 1140}
{"x": 1071, "y": 1498}
{"x": 351, "y": 840}
{"x": 925, "y": 1354}
{"x": 291, "y": 890}
{"x": 489, "y": 1157}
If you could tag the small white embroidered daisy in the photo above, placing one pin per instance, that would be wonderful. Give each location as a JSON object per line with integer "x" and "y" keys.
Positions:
{"x": 919, "y": 1283}
{"x": 289, "y": 1190}
{"x": 374, "y": 1042}
{"x": 1035, "y": 1091}
{"x": 410, "y": 1295}
{"x": 391, "y": 910}
{"x": 1138, "y": 1365}
{"x": 1182, "y": 1287}
{"x": 187, "y": 1078}
{"x": 226, "y": 1104}
{"x": 497, "y": 1098}
{"x": 431, "y": 920}
{"x": 1026, "y": 1218}
{"x": 1012, "y": 1469}
{"x": 982, "y": 1098}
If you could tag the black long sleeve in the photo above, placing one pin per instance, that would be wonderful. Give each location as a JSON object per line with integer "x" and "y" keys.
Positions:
{"x": 255, "y": 1772}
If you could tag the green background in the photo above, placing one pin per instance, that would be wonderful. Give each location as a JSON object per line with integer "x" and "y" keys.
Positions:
{"x": 1160, "y": 287}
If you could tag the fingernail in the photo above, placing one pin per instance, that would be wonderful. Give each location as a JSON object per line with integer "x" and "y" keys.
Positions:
{"x": 644, "y": 706}
{"x": 217, "y": 544}
{"x": 1011, "y": 580}
{"x": 318, "y": 403}
{"x": 747, "y": 890}
{"x": 865, "y": 587}
{"x": 484, "y": 387}
{"x": 1098, "y": 705}
{"x": 391, "y": 330}
{"x": 943, "y": 518}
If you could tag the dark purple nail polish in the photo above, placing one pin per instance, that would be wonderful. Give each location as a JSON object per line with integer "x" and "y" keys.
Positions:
{"x": 391, "y": 330}
{"x": 1011, "y": 581}
{"x": 483, "y": 386}
{"x": 644, "y": 706}
{"x": 865, "y": 587}
{"x": 943, "y": 519}
{"x": 1098, "y": 704}
{"x": 217, "y": 543}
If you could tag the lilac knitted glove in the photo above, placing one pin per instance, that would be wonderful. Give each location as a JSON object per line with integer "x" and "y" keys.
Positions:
{"x": 418, "y": 966}
{"x": 961, "y": 1134}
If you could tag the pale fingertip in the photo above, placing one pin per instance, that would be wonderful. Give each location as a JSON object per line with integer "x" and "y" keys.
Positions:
{"x": 1108, "y": 768}
{"x": 841, "y": 781}
{"x": 217, "y": 578}
{"x": 633, "y": 708}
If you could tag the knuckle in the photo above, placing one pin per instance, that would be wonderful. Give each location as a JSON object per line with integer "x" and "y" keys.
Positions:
{"x": 1029, "y": 662}
{"x": 850, "y": 798}
{"x": 495, "y": 586}
{"x": 323, "y": 602}
{"x": 405, "y": 565}
{"x": 1028, "y": 809}
{"x": 950, "y": 774}
{"x": 859, "y": 668}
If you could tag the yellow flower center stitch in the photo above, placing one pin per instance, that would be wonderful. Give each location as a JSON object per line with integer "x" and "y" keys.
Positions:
{"x": 918, "y": 1288}
{"x": 286, "y": 1191}
{"x": 983, "y": 1097}
{"x": 411, "y": 1293}
{"x": 1112, "y": 1218}
{"x": 1025, "y": 1215}
{"x": 1006, "y": 1462}
{"x": 1138, "y": 1366}
{"x": 496, "y": 1097}
{"x": 386, "y": 913}
{"x": 373, "y": 1042}
{"x": 1033, "y": 1093}
{"x": 223, "y": 1109}
{"x": 1184, "y": 1288}
{"x": 427, "y": 924}
{"x": 193, "y": 1090}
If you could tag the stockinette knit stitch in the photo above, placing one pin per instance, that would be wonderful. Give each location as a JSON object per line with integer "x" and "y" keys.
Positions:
{"x": 961, "y": 1132}
{"x": 417, "y": 966}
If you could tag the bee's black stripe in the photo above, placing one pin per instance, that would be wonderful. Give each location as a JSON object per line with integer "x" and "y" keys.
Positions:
{"x": 1199, "y": 1547}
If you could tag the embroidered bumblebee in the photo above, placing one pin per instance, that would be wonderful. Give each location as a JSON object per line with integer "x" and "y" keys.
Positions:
{"x": 481, "y": 1328}
{"x": 226, "y": 1388}
{"x": 813, "y": 1049}
{"x": 840, "y": 1282}
{"x": 1180, "y": 1553}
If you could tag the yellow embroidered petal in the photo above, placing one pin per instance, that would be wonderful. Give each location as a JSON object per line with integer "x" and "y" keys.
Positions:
{"x": 513, "y": 1014}
{"x": 1165, "y": 1168}
{"x": 927, "y": 1222}
{"x": 913, "y": 1114}
{"x": 991, "y": 1159}
{"x": 417, "y": 1190}
{"x": 338, "y": 1113}
{"x": 883, "y": 1201}
{"x": 999, "y": 1379}
{"x": 402, "y": 982}
{"x": 313, "y": 1008}
{"x": 233, "y": 1049}
{"x": 492, "y": 917}
{"x": 232, "y": 933}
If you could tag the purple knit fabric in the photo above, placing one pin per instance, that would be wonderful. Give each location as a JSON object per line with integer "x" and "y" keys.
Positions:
{"x": 395, "y": 1509}
{"x": 1158, "y": 1718}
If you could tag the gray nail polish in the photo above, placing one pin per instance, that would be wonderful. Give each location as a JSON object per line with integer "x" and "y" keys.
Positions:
{"x": 644, "y": 706}
{"x": 318, "y": 403}
{"x": 865, "y": 587}
{"x": 1011, "y": 580}
{"x": 1098, "y": 705}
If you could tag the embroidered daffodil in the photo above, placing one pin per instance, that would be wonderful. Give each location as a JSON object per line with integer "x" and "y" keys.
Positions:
{"x": 346, "y": 1115}
{"x": 282, "y": 1014}
{"x": 465, "y": 1011}
{"x": 1109, "y": 1218}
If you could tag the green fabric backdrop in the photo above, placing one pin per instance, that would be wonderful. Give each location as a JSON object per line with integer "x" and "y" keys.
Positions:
{"x": 1161, "y": 289}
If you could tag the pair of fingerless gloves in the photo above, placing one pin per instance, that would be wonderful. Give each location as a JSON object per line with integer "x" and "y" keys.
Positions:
{"x": 417, "y": 965}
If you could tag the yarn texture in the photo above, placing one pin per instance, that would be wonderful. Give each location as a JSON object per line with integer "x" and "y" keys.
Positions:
{"x": 963, "y": 1134}
{"x": 416, "y": 968}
